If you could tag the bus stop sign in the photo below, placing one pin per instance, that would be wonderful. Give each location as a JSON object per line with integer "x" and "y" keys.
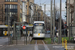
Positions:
{"x": 24, "y": 27}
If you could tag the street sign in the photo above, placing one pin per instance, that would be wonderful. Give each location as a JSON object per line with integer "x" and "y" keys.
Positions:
{"x": 24, "y": 27}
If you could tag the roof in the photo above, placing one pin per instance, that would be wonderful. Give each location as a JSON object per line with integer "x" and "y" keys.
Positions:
{"x": 38, "y": 21}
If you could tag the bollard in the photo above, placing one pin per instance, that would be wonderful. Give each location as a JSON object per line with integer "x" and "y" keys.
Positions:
{"x": 65, "y": 44}
{"x": 62, "y": 42}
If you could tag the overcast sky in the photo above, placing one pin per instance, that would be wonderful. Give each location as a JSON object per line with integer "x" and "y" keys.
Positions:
{"x": 47, "y": 2}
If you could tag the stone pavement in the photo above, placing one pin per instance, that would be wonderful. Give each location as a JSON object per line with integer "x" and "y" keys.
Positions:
{"x": 70, "y": 46}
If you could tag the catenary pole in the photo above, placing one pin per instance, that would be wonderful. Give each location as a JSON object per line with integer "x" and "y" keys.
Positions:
{"x": 8, "y": 15}
{"x": 54, "y": 21}
{"x": 60, "y": 22}
{"x": 44, "y": 14}
{"x": 69, "y": 21}
{"x": 51, "y": 24}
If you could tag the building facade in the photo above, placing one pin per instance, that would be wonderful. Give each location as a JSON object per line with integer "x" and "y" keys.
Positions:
{"x": 10, "y": 8}
{"x": 70, "y": 14}
{"x": 26, "y": 13}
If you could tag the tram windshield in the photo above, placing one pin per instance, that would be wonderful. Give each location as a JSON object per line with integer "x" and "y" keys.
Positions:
{"x": 39, "y": 29}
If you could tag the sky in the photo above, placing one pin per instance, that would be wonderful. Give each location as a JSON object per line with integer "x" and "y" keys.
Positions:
{"x": 48, "y": 2}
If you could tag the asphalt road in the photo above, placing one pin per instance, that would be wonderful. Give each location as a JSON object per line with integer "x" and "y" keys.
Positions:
{"x": 3, "y": 40}
{"x": 4, "y": 45}
{"x": 28, "y": 47}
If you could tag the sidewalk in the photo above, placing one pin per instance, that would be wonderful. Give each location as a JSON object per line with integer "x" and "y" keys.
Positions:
{"x": 70, "y": 46}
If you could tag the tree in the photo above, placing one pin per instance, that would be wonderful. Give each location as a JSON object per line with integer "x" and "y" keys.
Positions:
{"x": 57, "y": 18}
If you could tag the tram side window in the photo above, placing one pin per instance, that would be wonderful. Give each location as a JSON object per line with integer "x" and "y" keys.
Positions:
{"x": 5, "y": 29}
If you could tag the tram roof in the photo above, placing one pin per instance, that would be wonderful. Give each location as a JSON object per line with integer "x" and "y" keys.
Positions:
{"x": 38, "y": 21}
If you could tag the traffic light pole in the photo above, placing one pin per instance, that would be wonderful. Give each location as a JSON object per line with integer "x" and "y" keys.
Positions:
{"x": 69, "y": 21}
{"x": 8, "y": 25}
{"x": 51, "y": 24}
{"x": 54, "y": 22}
{"x": 60, "y": 32}
{"x": 44, "y": 14}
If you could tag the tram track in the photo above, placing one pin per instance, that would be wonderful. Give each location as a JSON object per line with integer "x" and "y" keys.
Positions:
{"x": 40, "y": 45}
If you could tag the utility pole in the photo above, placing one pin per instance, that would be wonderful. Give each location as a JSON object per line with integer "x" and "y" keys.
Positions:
{"x": 54, "y": 22}
{"x": 44, "y": 15}
{"x": 8, "y": 15}
{"x": 74, "y": 12}
{"x": 60, "y": 32}
{"x": 68, "y": 20}
{"x": 51, "y": 24}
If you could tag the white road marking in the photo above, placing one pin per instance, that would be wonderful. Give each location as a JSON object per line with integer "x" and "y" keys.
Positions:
{"x": 36, "y": 46}
{"x": 46, "y": 47}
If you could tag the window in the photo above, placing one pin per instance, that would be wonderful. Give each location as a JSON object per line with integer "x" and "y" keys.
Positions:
{"x": 11, "y": 6}
{"x": 11, "y": 0}
{"x": 39, "y": 29}
{"x": 13, "y": 10}
{"x": 14, "y": 6}
{"x": 7, "y": 0}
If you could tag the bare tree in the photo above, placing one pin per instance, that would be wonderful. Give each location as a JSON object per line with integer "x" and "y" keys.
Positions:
{"x": 57, "y": 17}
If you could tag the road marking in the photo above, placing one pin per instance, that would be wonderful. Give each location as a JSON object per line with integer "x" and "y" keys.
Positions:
{"x": 36, "y": 46}
{"x": 46, "y": 47}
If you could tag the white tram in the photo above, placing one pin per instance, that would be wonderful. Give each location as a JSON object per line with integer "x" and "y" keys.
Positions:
{"x": 39, "y": 29}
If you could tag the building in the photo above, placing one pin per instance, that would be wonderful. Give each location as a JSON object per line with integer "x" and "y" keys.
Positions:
{"x": 70, "y": 14}
{"x": 10, "y": 8}
{"x": 26, "y": 15}
{"x": 71, "y": 8}
{"x": 38, "y": 13}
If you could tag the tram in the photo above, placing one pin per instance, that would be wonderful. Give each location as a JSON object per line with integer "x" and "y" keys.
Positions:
{"x": 39, "y": 29}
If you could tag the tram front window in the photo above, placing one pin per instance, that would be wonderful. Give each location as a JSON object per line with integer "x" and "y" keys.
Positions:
{"x": 39, "y": 29}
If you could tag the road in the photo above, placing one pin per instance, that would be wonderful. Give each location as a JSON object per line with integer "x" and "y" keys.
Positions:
{"x": 3, "y": 40}
{"x": 4, "y": 45}
{"x": 29, "y": 47}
